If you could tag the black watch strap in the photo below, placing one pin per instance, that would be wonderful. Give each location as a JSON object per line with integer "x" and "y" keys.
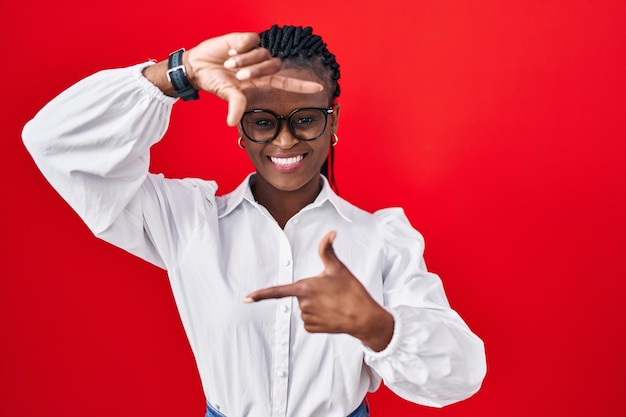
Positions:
{"x": 178, "y": 77}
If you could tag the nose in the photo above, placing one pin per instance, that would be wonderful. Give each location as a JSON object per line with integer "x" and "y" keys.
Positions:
{"x": 284, "y": 138}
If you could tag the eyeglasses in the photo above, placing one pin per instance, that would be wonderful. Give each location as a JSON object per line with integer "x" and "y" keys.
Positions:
{"x": 262, "y": 126}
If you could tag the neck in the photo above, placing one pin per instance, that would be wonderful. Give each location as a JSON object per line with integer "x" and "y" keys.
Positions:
{"x": 281, "y": 204}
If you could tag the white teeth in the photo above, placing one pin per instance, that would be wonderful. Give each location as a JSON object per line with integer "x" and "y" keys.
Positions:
{"x": 287, "y": 161}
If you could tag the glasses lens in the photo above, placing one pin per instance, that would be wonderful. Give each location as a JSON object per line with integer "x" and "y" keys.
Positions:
{"x": 259, "y": 126}
{"x": 308, "y": 124}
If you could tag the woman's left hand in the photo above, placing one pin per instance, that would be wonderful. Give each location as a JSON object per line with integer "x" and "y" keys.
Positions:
{"x": 336, "y": 302}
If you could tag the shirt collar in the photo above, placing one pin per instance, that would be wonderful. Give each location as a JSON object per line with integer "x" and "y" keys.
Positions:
{"x": 243, "y": 193}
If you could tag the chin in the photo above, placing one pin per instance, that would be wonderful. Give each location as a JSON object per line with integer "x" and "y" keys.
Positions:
{"x": 290, "y": 186}
{"x": 290, "y": 182}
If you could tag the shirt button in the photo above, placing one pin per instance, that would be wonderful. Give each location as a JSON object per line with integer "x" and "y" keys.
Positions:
{"x": 287, "y": 262}
{"x": 284, "y": 308}
{"x": 282, "y": 374}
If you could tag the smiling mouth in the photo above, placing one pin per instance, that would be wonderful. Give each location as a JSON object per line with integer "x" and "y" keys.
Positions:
{"x": 286, "y": 161}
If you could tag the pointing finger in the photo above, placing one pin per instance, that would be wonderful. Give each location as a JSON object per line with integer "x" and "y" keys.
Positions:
{"x": 279, "y": 291}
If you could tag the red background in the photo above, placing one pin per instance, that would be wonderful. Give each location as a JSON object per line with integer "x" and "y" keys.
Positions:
{"x": 498, "y": 126}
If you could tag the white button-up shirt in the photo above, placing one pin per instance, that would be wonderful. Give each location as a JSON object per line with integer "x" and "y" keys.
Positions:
{"x": 92, "y": 143}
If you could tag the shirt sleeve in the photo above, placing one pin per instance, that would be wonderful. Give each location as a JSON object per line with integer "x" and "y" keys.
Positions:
{"x": 92, "y": 143}
{"x": 433, "y": 358}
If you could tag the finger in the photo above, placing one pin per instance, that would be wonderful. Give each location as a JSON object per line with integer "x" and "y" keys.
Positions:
{"x": 295, "y": 85}
{"x": 241, "y": 42}
{"x": 236, "y": 107}
{"x": 252, "y": 57}
{"x": 279, "y": 291}
{"x": 258, "y": 63}
{"x": 316, "y": 324}
{"x": 311, "y": 328}
{"x": 326, "y": 251}
{"x": 261, "y": 69}
{"x": 311, "y": 321}
{"x": 236, "y": 103}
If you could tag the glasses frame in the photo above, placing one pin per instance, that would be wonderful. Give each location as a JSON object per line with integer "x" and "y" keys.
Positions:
{"x": 325, "y": 110}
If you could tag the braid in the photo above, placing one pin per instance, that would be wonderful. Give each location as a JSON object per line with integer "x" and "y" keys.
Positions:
{"x": 299, "y": 46}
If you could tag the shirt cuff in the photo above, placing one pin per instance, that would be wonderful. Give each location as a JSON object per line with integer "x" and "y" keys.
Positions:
{"x": 392, "y": 347}
{"x": 147, "y": 87}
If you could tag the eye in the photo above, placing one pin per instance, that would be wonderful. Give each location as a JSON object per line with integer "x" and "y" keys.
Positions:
{"x": 304, "y": 121}
{"x": 260, "y": 121}
{"x": 307, "y": 118}
{"x": 263, "y": 124}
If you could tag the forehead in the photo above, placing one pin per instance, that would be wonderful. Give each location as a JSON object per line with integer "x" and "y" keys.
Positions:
{"x": 282, "y": 102}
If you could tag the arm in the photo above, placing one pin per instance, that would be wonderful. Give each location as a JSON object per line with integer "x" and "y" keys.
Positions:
{"x": 420, "y": 347}
{"x": 92, "y": 144}
{"x": 433, "y": 358}
{"x": 92, "y": 141}
{"x": 335, "y": 301}
{"x": 228, "y": 65}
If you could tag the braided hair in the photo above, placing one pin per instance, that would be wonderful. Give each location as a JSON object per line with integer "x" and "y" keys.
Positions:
{"x": 299, "y": 47}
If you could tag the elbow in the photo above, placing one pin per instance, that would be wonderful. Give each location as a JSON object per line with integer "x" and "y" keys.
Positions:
{"x": 34, "y": 138}
{"x": 469, "y": 387}
{"x": 477, "y": 366}
{"x": 29, "y": 138}
{"x": 461, "y": 378}
{"x": 454, "y": 390}
{"x": 452, "y": 381}
{"x": 467, "y": 376}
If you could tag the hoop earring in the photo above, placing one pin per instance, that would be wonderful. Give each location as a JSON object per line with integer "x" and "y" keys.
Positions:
{"x": 241, "y": 143}
{"x": 334, "y": 140}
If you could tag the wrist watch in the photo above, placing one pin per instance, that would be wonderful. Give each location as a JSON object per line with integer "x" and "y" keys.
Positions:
{"x": 178, "y": 77}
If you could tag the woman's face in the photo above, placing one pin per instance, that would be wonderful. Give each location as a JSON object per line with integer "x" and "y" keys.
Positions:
{"x": 286, "y": 163}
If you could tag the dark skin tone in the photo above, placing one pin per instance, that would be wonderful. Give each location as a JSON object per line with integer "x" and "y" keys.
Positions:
{"x": 335, "y": 301}
{"x": 285, "y": 209}
{"x": 284, "y": 192}
{"x": 235, "y": 69}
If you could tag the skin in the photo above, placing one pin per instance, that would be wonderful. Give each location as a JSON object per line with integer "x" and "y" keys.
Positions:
{"x": 285, "y": 192}
{"x": 335, "y": 301}
{"x": 235, "y": 69}
{"x": 227, "y": 66}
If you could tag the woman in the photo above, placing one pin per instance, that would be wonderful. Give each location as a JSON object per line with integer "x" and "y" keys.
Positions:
{"x": 295, "y": 302}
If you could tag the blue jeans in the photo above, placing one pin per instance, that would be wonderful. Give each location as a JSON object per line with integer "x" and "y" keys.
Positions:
{"x": 362, "y": 411}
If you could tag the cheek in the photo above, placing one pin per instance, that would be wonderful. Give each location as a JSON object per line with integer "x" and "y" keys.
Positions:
{"x": 322, "y": 148}
{"x": 253, "y": 151}
{"x": 252, "y": 154}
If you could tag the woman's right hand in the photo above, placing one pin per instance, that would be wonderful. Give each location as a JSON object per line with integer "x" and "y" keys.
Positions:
{"x": 226, "y": 66}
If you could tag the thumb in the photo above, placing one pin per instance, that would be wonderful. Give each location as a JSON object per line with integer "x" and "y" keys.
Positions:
{"x": 326, "y": 251}
{"x": 236, "y": 107}
{"x": 236, "y": 103}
